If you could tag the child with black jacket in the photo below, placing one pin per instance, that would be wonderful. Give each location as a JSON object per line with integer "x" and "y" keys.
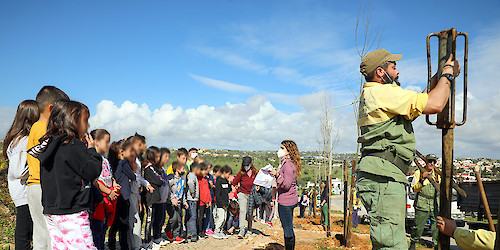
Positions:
{"x": 222, "y": 189}
{"x": 69, "y": 165}
{"x": 123, "y": 156}
{"x": 153, "y": 175}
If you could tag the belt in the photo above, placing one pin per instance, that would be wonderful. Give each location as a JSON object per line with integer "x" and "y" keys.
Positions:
{"x": 389, "y": 156}
{"x": 425, "y": 196}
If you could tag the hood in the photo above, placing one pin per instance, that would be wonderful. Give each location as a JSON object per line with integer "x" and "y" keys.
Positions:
{"x": 51, "y": 147}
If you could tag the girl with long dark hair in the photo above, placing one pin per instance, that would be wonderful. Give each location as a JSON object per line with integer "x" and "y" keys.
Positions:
{"x": 69, "y": 165}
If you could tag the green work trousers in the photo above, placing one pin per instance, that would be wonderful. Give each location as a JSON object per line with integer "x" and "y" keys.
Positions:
{"x": 421, "y": 218}
{"x": 385, "y": 202}
{"x": 324, "y": 214}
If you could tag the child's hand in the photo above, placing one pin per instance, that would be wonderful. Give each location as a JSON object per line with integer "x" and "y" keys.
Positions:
{"x": 273, "y": 172}
{"x": 257, "y": 187}
{"x": 113, "y": 195}
{"x": 117, "y": 187}
{"x": 88, "y": 140}
{"x": 186, "y": 206}
{"x": 150, "y": 188}
{"x": 175, "y": 202}
{"x": 209, "y": 204}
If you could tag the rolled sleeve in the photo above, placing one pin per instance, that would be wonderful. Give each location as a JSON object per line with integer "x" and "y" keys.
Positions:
{"x": 474, "y": 239}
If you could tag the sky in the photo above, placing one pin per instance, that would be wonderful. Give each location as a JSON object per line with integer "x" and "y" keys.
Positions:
{"x": 239, "y": 74}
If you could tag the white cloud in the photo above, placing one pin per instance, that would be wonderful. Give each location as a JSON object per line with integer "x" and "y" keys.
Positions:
{"x": 227, "y": 86}
{"x": 256, "y": 124}
{"x": 7, "y": 115}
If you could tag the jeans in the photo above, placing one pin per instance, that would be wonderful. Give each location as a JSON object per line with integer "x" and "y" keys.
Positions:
{"x": 191, "y": 217}
{"x": 355, "y": 218}
{"x": 154, "y": 221}
{"x": 208, "y": 222}
{"x": 24, "y": 227}
{"x": 286, "y": 218}
{"x": 41, "y": 237}
{"x": 302, "y": 211}
{"x": 231, "y": 222}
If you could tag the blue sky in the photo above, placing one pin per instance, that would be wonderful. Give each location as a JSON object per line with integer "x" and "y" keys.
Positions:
{"x": 186, "y": 68}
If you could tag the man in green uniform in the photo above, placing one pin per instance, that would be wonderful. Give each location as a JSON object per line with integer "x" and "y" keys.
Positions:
{"x": 388, "y": 144}
{"x": 427, "y": 202}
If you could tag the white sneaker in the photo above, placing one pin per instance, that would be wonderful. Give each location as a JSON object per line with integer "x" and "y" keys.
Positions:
{"x": 218, "y": 236}
{"x": 155, "y": 246}
{"x": 164, "y": 242}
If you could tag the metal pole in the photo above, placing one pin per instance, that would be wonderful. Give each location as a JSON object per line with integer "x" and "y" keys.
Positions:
{"x": 446, "y": 121}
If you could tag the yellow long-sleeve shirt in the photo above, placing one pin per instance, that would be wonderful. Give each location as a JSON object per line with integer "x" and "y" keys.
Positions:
{"x": 474, "y": 239}
{"x": 38, "y": 130}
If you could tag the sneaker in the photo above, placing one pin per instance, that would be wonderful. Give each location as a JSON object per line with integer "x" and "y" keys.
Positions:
{"x": 209, "y": 232}
{"x": 170, "y": 236}
{"x": 269, "y": 224}
{"x": 241, "y": 234}
{"x": 194, "y": 238}
{"x": 220, "y": 236}
{"x": 161, "y": 241}
{"x": 179, "y": 240}
{"x": 203, "y": 236}
{"x": 154, "y": 246}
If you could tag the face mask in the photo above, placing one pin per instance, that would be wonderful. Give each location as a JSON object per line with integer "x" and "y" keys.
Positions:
{"x": 193, "y": 155}
{"x": 247, "y": 168}
{"x": 388, "y": 79}
{"x": 281, "y": 153}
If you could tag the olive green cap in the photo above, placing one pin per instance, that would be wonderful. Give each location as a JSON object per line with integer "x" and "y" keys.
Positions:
{"x": 431, "y": 157}
{"x": 376, "y": 58}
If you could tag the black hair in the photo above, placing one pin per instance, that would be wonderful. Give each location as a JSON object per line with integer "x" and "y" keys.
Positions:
{"x": 195, "y": 166}
{"x": 164, "y": 151}
{"x": 182, "y": 151}
{"x": 49, "y": 95}
{"x": 140, "y": 137}
{"x": 203, "y": 166}
{"x": 226, "y": 169}
{"x": 150, "y": 156}
{"x": 193, "y": 149}
{"x": 233, "y": 205}
{"x": 64, "y": 119}
{"x": 98, "y": 134}
{"x": 176, "y": 166}
{"x": 217, "y": 168}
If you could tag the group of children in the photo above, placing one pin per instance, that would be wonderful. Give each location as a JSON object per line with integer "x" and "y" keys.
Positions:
{"x": 70, "y": 186}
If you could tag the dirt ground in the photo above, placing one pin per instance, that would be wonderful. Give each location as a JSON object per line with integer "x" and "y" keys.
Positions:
{"x": 308, "y": 232}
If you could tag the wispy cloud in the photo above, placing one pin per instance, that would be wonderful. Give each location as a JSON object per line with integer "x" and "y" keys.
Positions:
{"x": 233, "y": 59}
{"x": 227, "y": 86}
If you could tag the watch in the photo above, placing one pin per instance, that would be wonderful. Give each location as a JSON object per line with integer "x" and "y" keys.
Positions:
{"x": 448, "y": 76}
